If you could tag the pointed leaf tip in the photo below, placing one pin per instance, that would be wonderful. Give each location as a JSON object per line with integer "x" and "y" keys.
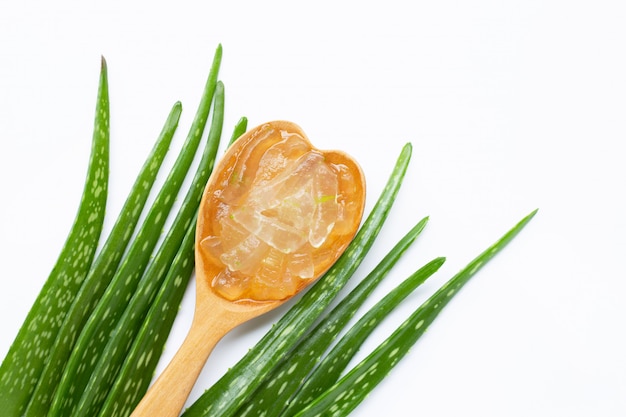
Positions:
{"x": 529, "y": 216}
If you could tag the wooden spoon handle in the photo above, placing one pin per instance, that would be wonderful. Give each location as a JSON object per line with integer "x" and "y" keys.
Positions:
{"x": 168, "y": 394}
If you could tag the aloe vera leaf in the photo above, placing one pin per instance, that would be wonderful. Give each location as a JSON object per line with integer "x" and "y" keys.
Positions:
{"x": 29, "y": 352}
{"x": 240, "y": 129}
{"x": 135, "y": 376}
{"x": 228, "y": 394}
{"x": 333, "y": 364}
{"x": 277, "y": 388}
{"x": 350, "y": 390}
{"x": 122, "y": 337}
{"x": 115, "y": 298}
{"x": 102, "y": 270}
{"x": 137, "y": 371}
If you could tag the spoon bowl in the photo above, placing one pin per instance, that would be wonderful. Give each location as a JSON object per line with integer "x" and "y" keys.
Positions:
{"x": 275, "y": 215}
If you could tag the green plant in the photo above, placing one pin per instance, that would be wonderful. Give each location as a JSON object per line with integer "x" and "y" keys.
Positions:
{"x": 102, "y": 271}
{"x": 113, "y": 315}
{"x": 341, "y": 398}
{"x": 29, "y": 353}
{"x": 106, "y": 316}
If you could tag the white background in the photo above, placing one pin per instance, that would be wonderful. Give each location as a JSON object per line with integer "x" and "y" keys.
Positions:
{"x": 509, "y": 106}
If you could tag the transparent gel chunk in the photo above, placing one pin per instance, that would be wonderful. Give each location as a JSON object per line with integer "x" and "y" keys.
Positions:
{"x": 280, "y": 157}
{"x": 230, "y": 285}
{"x": 325, "y": 213}
{"x": 301, "y": 265}
{"x": 271, "y": 193}
{"x": 270, "y": 230}
{"x": 231, "y": 233}
{"x": 245, "y": 257}
{"x": 213, "y": 246}
{"x": 295, "y": 210}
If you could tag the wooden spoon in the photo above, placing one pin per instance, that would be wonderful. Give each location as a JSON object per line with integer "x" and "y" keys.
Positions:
{"x": 275, "y": 215}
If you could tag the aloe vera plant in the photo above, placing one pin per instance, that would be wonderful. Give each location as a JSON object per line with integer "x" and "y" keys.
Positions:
{"x": 29, "y": 353}
{"x": 350, "y": 390}
{"x": 137, "y": 370}
{"x": 333, "y": 363}
{"x": 114, "y": 317}
{"x": 103, "y": 269}
{"x": 111, "y": 306}
{"x": 122, "y": 336}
